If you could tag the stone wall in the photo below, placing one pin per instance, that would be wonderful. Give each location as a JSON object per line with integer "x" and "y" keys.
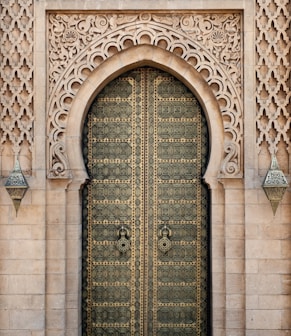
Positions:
{"x": 241, "y": 74}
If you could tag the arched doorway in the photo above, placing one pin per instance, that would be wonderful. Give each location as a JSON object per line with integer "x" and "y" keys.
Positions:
{"x": 146, "y": 209}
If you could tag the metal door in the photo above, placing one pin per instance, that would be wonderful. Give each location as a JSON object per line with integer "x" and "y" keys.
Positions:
{"x": 145, "y": 210}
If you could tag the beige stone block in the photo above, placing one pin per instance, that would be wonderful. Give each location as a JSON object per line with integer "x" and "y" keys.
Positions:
{"x": 234, "y": 214}
{"x": 14, "y": 266}
{"x": 74, "y": 215}
{"x": 233, "y": 196}
{"x": 258, "y": 214}
{"x": 235, "y": 283}
{"x": 252, "y": 266}
{"x": 4, "y": 319}
{"x": 285, "y": 301}
{"x": 55, "y": 301}
{"x": 21, "y": 231}
{"x": 72, "y": 301}
{"x": 217, "y": 264}
{"x": 74, "y": 232}
{"x": 218, "y": 197}
{"x": 6, "y": 248}
{"x": 234, "y": 301}
{"x": 73, "y": 332}
{"x": 217, "y": 230}
{"x": 4, "y": 213}
{"x": 218, "y": 318}
{"x": 252, "y": 231}
{"x": 286, "y": 284}
{"x": 4, "y": 284}
{"x": 235, "y": 332}
{"x": 74, "y": 249}
{"x": 73, "y": 319}
{"x": 286, "y": 320}
{"x": 218, "y": 249}
{"x": 74, "y": 196}
{"x": 30, "y": 214}
{"x": 279, "y": 302}
{"x": 235, "y": 319}
{"x": 55, "y": 319}
{"x": 263, "y": 319}
{"x": 251, "y": 196}
{"x": 275, "y": 231}
{"x": 73, "y": 283}
{"x": 56, "y": 214}
{"x": 38, "y": 333}
{"x": 273, "y": 332}
{"x": 38, "y": 197}
{"x": 21, "y": 302}
{"x": 234, "y": 248}
{"x": 263, "y": 284}
{"x": 54, "y": 333}
{"x": 217, "y": 331}
{"x": 218, "y": 282}
{"x": 28, "y": 249}
{"x": 56, "y": 266}
{"x": 27, "y": 231}
{"x": 275, "y": 266}
{"x": 56, "y": 283}
{"x": 26, "y": 284}
{"x": 285, "y": 214}
{"x": 15, "y": 333}
{"x": 235, "y": 231}
{"x": 56, "y": 249}
{"x": 263, "y": 249}
{"x": 27, "y": 319}
{"x": 286, "y": 248}
{"x": 56, "y": 197}
{"x": 234, "y": 266}
{"x": 74, "y": 266}
{"x": 55, "y": 231}
{"x": 5, "y": 232}
{"x": 252, "y": 302}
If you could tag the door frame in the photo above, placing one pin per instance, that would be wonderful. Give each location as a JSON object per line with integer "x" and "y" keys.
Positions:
{"x": 144, "y": 55}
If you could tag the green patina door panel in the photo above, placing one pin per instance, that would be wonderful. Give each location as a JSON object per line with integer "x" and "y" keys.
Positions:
{"x": 145, "y": 210}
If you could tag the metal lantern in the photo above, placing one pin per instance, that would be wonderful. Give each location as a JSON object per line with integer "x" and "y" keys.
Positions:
{"x": 16, "y": 185}
{"x": 275, "y": 184}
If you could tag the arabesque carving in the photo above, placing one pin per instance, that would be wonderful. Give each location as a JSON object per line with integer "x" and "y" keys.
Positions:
{"x": 16, "y": 75}
{"x": 211, "y": 43}
{"x": 273, "y": 72}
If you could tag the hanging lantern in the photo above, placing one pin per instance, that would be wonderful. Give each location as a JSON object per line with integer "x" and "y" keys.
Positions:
{"x": 275, "y": 184}
{"x": 16, "y": 185}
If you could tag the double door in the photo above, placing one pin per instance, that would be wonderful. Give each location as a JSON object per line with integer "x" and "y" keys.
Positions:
{"x": 145, "y": 210}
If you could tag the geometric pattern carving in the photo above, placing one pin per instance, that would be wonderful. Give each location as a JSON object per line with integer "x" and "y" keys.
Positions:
{"x": 211, "y": 43}
{"x": 273, "y": 73}
{"x": 16, "y": 69}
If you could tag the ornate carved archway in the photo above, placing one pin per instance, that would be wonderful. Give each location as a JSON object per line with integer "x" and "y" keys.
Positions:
{"x": 129, "y": 59}
{"x": 208, "y": 45}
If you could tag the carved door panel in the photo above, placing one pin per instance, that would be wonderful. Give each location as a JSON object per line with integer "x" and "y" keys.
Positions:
{"x": 145, "y": 210}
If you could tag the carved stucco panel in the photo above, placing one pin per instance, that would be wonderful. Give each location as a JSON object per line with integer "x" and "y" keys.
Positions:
{"x": 273, "y": 74}
{"x": 16, "y": 78}
{"x": 211, "y": 43}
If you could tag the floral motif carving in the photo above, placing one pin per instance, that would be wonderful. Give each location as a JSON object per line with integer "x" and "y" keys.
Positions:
{"x": 211, "y": 43}
{"x": 16, "y": 69}
{"x": 273, "y": 72}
